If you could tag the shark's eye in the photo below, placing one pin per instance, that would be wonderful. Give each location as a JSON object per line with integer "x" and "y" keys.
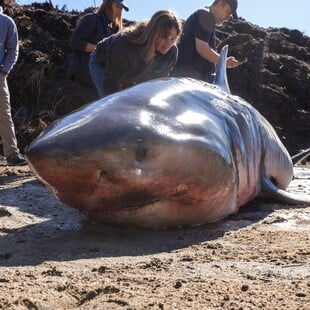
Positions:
{"x": 141, "y": 152}
{"x": 103, "y": 173}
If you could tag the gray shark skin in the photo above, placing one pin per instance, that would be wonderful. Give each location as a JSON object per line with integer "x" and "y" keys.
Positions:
{"x": 168, "y": 152}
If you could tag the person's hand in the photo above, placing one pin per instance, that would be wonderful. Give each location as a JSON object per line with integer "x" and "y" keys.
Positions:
{"x": 232, "y": 62}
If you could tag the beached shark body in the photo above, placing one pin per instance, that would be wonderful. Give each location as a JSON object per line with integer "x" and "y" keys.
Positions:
{"x": 167, "y": 152}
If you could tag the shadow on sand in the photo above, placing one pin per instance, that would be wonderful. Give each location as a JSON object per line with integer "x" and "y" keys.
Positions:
{"x": 36, "y": 227}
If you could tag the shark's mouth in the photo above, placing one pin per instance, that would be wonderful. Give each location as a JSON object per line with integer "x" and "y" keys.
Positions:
{"x": 141, "y": 204}
{"x": 138, "y": 199}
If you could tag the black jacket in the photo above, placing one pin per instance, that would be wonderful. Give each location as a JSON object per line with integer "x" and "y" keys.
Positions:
{"x": 124, "y": 66}
{"x": 92, "y": 28}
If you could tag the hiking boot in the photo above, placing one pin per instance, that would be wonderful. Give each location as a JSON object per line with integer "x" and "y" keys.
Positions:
{"x": 16, "y": 160}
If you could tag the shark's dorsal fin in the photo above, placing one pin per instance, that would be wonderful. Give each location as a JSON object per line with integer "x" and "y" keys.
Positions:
{"x": 221, "y": 75}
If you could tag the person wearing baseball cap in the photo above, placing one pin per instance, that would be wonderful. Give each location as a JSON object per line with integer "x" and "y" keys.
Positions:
{"x": 122, "y": 4}
{"x": 93, "y": 28}
{"x": 197, "y": 54}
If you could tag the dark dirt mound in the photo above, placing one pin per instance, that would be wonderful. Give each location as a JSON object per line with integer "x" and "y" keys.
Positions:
{"x": 275, "y": 79}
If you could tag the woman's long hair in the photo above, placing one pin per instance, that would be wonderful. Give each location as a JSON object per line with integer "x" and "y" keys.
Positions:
{"x": 146, "y": 33}
{"x": 106, "y": 7}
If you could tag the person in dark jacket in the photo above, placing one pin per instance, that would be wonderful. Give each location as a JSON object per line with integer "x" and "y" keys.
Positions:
{"x": 197, "y": 54}
{"x": 93, "y": 28}
{"x": 142, "y": 52}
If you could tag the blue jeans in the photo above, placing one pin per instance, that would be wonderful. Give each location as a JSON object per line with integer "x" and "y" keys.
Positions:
{"x": 96, "y": 73}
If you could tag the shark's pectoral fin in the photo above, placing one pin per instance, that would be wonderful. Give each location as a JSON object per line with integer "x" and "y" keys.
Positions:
{"x": 269, "y": 189}
{"x": 296, "y": 159}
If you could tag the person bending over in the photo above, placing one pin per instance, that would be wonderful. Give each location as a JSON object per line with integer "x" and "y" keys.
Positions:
{"x": 142, "y": 52}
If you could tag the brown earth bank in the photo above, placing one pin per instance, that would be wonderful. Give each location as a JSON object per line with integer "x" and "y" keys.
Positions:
{"x": 275, "y": 79}
{"x": 51, "y": 257}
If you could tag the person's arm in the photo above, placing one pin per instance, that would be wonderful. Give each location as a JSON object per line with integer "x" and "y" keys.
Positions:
{"x": 102, "y": 49}
{"x": 90, "y": 47}
{"x": 203, "y": 31}
{"x": 208, "y": 53}
{"x": 11, "y": 47}
{"x": 80, "y": 39}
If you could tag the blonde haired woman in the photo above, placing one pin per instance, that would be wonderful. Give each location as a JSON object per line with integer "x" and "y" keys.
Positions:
{"x": 144, "y": 51}
{"x": 93, "y": 28}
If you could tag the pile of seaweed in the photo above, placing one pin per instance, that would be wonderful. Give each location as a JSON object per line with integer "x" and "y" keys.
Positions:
{"x": 275, "y": 79}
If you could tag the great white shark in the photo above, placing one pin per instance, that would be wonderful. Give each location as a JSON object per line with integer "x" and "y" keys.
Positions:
{"x": 167, "y": 152}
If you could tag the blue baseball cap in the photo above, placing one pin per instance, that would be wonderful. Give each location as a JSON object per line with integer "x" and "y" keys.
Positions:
{"x": 123, "y": 4}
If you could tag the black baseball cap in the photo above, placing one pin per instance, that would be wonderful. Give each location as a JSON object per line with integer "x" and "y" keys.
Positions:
{"x": 123, "y": 4}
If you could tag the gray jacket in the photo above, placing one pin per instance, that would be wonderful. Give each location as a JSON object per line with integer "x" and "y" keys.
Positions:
{"x": 8, "y": 42}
